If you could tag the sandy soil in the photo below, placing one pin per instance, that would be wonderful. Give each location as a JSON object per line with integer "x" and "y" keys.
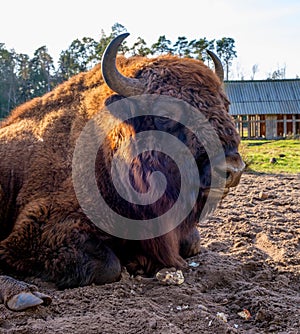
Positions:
{"x": 250, "y": 260}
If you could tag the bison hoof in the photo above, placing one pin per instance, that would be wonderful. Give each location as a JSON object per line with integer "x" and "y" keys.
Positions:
{"x": 25, "y": 300}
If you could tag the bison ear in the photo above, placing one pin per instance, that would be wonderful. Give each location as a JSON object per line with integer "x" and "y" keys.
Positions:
{"x": 218, "y": 65}
{"x": 113, "y": 98}
{"x": 114, "y": 108}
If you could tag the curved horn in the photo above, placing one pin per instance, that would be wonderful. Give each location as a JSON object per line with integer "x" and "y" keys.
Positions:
{"x": 113, "y": 78}
{"x": 218, "y": 65}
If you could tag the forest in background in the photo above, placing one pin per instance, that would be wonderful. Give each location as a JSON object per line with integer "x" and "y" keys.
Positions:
{"x": 23, "y": 78}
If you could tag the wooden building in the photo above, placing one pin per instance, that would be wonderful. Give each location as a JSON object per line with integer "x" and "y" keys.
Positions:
{"x": 265, "y": 108}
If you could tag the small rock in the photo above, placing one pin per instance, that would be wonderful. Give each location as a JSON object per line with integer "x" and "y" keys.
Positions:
{"x": 263, "y": 195}
{"x": 153, "y": 324}
{"x": 170, "y": 276}
{"x": 202, "y": 308}
{"x": 182, "y": 308}
{"x": 194, "y": 264}
{"x": 222, "y": 316}
{"x": 245, "y": 314}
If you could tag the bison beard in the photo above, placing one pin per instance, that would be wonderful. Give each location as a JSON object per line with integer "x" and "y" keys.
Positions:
{"x": 43, "y": 230}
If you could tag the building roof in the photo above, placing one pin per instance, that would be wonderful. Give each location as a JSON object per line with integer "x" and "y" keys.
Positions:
{"x": 261, "y": 97}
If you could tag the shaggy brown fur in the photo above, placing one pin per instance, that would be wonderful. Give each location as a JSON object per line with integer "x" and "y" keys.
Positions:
{"x": 43, "y": 230}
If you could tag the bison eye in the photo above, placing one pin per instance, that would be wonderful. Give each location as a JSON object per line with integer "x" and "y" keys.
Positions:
{"x": 166, "y": 124}
{"x": 229, "y": 131}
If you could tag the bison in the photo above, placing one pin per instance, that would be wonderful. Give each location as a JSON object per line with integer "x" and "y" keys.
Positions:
{"x": 45, "y": 232}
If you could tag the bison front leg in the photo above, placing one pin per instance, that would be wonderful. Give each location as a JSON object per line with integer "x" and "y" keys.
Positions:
{"x": 67, "y": 250}
{"x": 18, "y": 295}
{"x": 75, "y": 253}
{"x": 18, "y": 254}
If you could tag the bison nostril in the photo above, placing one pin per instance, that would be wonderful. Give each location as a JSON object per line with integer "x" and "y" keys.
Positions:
{"x": 233, "y": 175}
{"x": 229, "y": 178}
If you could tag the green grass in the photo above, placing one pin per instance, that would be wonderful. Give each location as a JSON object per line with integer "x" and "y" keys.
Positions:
{"x": 258, "y": 153}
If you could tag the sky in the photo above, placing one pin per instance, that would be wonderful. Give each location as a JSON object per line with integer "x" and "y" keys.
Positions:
{"x": 266, "y": 32}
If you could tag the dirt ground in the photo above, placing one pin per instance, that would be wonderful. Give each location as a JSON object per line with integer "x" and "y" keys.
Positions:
{"x": 250, "y": 260}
